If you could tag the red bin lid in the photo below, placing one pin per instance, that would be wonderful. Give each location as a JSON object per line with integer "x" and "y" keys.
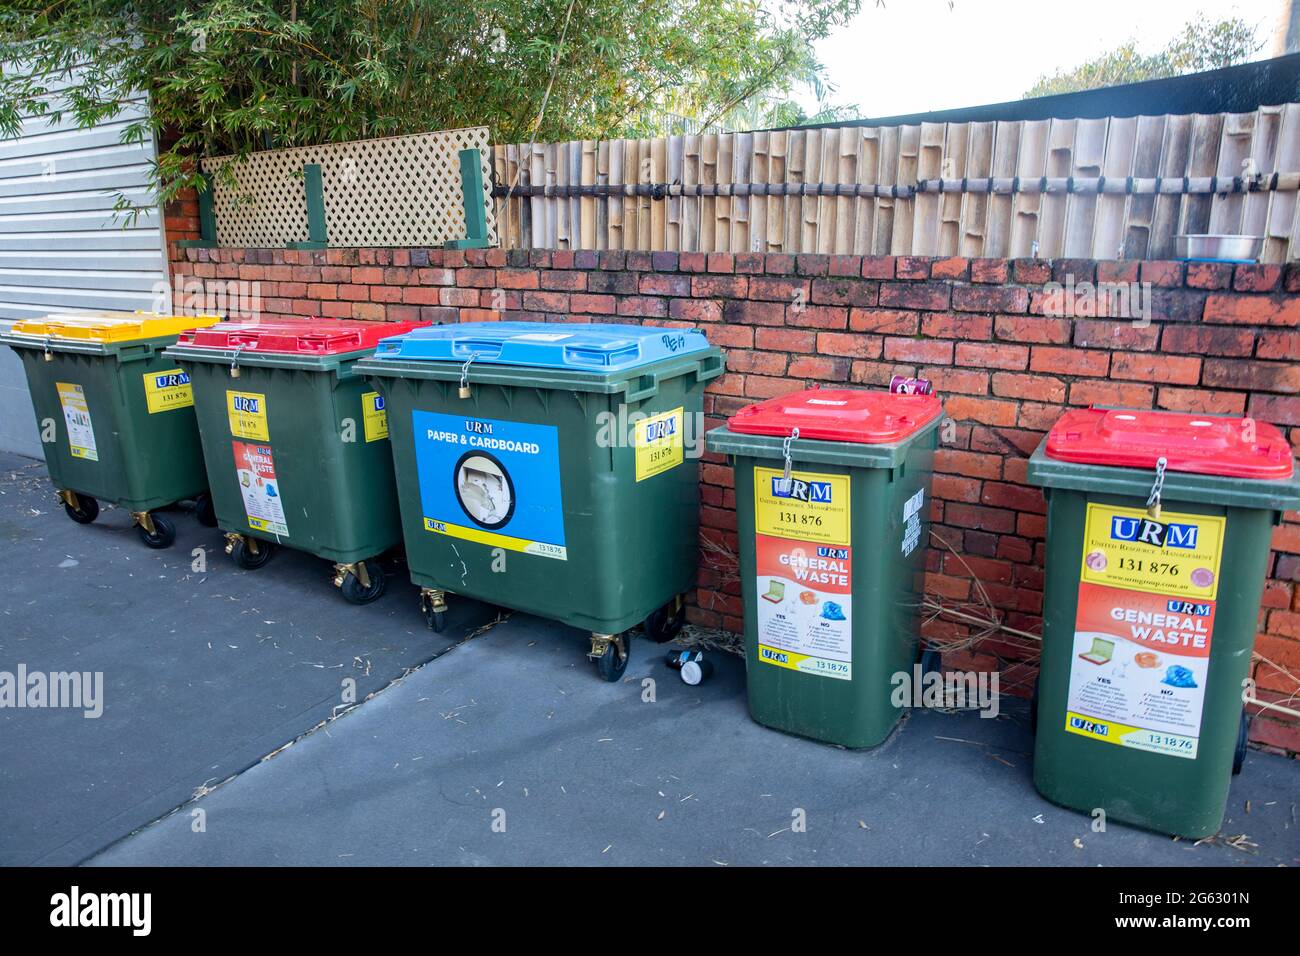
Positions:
{"x": 295, "y": 336}
{"x": 839, "y": 414}
{"x": 1200, "y": 444}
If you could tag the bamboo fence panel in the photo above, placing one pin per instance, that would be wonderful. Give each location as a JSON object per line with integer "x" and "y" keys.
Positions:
{"x": 1089, "y": 188}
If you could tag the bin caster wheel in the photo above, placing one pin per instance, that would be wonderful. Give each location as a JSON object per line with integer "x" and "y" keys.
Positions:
{"x": 433, "y": 602}
{"x": 1243, "y": 737}
{"x": 354, "y": 592}
{"x": 612, "y": 662}
{"x": 931, "y": 661}
{"x": 249, "y": 555}
{"x": 163, "y": 533}
{"x": 205, "y": 511}
{"x": 84, "y": 511}
{"x": 1033, "y": 707}
{"x": 666, "y": 623}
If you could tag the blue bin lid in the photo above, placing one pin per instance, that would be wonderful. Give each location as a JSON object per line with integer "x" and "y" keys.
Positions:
{"x": 573, "y": 346}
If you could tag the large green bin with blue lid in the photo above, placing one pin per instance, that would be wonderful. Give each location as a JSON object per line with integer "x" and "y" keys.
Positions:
{"x": 832, "y": 508}
{"x": 1158, "y": 541}
{"x": 551, "y": 468}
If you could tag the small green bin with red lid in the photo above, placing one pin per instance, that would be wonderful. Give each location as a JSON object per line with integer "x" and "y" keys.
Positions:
{"x": 296, "y": 443}
{"x": 1158, "y": 543}
{"x": 832, "y": 508}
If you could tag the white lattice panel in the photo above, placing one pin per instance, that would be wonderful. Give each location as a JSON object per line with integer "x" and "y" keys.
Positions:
{"x": 395, "y": 191}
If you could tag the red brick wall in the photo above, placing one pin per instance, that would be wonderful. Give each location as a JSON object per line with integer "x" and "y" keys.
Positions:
{"x": 1221, "y": 340}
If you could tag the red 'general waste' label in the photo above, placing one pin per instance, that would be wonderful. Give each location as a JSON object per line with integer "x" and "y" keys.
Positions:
{"x": 1154, "y": 621}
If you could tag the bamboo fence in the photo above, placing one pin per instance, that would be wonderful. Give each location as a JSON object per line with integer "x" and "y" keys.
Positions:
{"x": 1087, "y": 188}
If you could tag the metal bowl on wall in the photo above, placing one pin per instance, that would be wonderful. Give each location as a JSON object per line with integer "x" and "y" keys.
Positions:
{"x": 1220, "y": 248}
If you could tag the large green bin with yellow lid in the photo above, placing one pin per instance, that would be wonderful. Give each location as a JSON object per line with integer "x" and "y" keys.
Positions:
{"x": 116, "y": 417}
{"x": 1158, "y": 541}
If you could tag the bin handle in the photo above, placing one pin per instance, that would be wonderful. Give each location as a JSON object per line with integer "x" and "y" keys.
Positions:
{"x": 476, "y": 348}
{"x": 646, "y": 386}
{"x": 710, "y": 368}
{"x": 138, "y": 350}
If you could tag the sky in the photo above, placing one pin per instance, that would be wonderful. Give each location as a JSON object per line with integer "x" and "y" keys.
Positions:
{"x": 918, "y": 55}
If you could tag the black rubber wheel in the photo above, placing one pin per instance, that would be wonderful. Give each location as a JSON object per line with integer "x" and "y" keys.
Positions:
{"x": 611, "y": 664}
{"x": 205, "y": 511}
{"x": 164, "y": 532}
{"x": 666, "y": 623}
{"x": 1033, "y": 707}
{"x": 86, "y": 512}
{"x": 248, "y": 559}
{"x": 437, "y": 620}
{"x": 353, "y": 591}
{"x": 1243, "y": 738}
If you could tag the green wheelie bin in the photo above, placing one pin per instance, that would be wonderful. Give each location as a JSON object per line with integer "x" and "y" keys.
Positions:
{"x": 832, "y": 512}
{"x": 116, "y": 416}
{"x": 296, "y": 443}
{"x": 1158, "y": 538}
{"x": 551, "y": 468}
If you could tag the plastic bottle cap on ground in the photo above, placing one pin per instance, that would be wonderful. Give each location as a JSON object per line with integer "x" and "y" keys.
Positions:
{"x": 840, "y": 414}
{"x": 1198, "y": 444}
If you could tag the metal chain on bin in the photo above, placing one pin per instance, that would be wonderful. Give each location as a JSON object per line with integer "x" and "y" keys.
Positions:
{"x": 785, "y": 450}
{"x": 1153, "y": 499}
{"x": 464, "y": 375}
{"x": 234, "y": 362}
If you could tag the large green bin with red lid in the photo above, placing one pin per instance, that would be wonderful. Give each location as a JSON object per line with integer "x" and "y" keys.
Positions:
{"x": 296, "y": 443}
{"x": 832, "y": 507}
{"x": 1158, "y": 543}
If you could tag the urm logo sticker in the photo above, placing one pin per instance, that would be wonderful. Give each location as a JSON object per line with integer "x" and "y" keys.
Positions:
{"x": 1147, "y": 531}
{"x": 815, "y": 492}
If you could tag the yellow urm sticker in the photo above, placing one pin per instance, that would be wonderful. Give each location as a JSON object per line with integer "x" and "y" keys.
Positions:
{"x": 806, "y": 506}
{"x": 374, "y": 416}
{"x": 1126, "y": 735}
{"x": 247, "y": 412}
{"x": 659, "y": 444}
{"x": 1177, "y": 555}
{"x": 539, "y": 548}
{"x": 823, "y": 667}
{"x": 164, "y": 391}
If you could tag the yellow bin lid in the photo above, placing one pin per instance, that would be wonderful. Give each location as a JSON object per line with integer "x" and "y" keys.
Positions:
{"x": 112, "y": 326}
